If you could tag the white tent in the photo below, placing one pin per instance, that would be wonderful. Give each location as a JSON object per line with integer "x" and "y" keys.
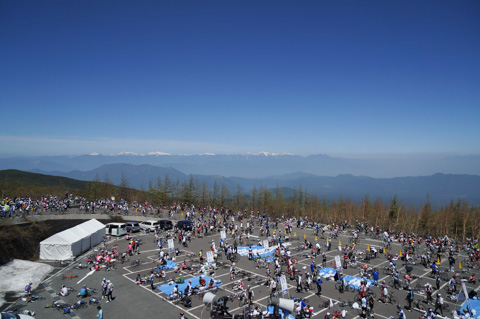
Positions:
{"x": 73, "y": 241}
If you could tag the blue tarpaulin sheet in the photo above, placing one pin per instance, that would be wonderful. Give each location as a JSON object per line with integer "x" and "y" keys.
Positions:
{"x": 351, "y": 281}
{"x": 170, "y": 265}
{"x": 326, "y": 272}
{"x": 474, "y": 305}
{"x": 264, "y": 252}
{"x": 355, "y": 282}
{"x": 283, "y": 314}
{"x": 167, "y": 288}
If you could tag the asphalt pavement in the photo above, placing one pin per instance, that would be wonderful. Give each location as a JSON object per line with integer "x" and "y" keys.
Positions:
{"x": 134, "y": 301}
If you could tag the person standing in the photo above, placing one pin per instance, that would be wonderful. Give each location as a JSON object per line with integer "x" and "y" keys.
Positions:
{"x": 439, "y": 304}
{"x": 375, "y": 276}
{"x": 401, "y": 313}
{"x": 409, "y": 299}
{"x": 104, "y": 287}
{"x": 100, "y": 312}
{"x": 313, "y": 268}
{"x": 152, "y": 278}
{"x": 28, "y": 292}
{"x": 299, "y": 282}
{"x": 110, "y": 291}
{"x": 273, "y": 286}
{"x": 319, "y": 286}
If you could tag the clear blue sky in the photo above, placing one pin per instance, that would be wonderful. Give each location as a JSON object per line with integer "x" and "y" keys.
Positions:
{"x": 184, "y": 77}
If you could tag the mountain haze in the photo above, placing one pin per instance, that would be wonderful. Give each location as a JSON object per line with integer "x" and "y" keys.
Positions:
{"x": 440, "y": 189}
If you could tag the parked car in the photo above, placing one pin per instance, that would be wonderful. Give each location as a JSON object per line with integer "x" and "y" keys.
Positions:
{"x": 6, "y": 315}
{"x": 149, "y": 225}
{"x": 166, "y": 224}
{"x": 185, "y": 225}
{"x": 132, "y": 227}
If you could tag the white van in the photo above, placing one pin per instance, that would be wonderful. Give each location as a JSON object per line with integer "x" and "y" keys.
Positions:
{"x": 149, "y": 225}
{"x": 116, "y": 229}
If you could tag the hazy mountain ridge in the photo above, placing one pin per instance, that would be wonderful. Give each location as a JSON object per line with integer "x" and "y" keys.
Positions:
{"x": 255, "y": 165}
{"x": 439, "y": 188}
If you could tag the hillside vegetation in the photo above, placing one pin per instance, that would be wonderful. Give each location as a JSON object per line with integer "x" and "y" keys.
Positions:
{"x": 458, "y": 219}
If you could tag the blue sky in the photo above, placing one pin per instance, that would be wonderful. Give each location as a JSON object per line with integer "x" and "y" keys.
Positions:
{"x": 352, "y": 78}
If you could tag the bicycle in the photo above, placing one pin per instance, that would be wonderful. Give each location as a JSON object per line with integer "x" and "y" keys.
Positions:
{"x": 358, "y": 297}
{"x": 338, "y": 286}
{"x": 233, "y": 257}
{"x": 78, "y": 305}
{"x": 390, "y": 298}
{"x": 35, "y": 297}
{"x": 92, "y": 291}
{"x": 111, "y": 266}
{"x": 136, "y": 263}
{"x": 93, "y": 301}
{"x": 419, "y": 305}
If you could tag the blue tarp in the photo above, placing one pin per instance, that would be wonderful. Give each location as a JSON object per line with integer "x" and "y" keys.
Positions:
{"x": 326, "y": 272}
{"x": 474, "y": 305}
{"x": 170, "y": 265}
{"x": 351, "y": 281}
{"x": 283, "y": 314}
{"x": 167, "y": 288}
{"x": 264, "y": 252}
{"x": 355, "y": 281}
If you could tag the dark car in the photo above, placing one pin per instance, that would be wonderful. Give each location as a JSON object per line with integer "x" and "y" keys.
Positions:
{"x": 132, "y": 227}
{"x": 185, "y": 225}
{"x": 166, "y": 224}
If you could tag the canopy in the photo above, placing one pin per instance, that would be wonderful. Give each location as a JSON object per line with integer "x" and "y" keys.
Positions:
{"x": 72, "y": 242}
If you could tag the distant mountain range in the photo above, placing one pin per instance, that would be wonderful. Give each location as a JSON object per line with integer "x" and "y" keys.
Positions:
{"x": 440, "y": 189}
{"x": 442, "y": 180}
{"x": 255, "y": 165}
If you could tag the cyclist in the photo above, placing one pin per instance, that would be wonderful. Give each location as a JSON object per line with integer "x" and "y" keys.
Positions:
{"x": 232, "y": 271}
{"x": 429, "y": 314}
{"x": 396, "y": 280}
{"x": 439, "y": 304}
{"x": 472, "y": 279}
{"x": 401, "y": 313}
{"x": 453, "y": 284}
{"x": 83, "y": 292}
{"x": 211, "y": 283}
{"x": 384, "y": 290}
{"x": 28, "y": 292}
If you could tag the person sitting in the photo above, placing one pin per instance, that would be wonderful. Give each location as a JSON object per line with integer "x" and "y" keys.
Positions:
{"x": 472, "y": 279}
{"x": 184, "y": 265}
{"x": 175, "y": 292}
{"x": 211, "y": 283}
{"x": 202, "y": 282}
{"x": 139, "y": 280}
{"x": 238, "y": 286}
{"x": 89, "y": 261}
{"x": 472, "y": 294}
{"x": 187, "y": 301}
{"x": 256, "y": 312}
{"x": 63, "y": 292}
{"x": 83, "y": 292}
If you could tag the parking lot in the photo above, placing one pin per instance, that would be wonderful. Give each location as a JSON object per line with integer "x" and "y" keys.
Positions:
{"x": 133, "y": 300}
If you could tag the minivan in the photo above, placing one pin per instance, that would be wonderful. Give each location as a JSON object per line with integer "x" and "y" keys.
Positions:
{"x": 115, "y": 229}
{"x": 149, "y": 225}
{"x": 132, "y": 227}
